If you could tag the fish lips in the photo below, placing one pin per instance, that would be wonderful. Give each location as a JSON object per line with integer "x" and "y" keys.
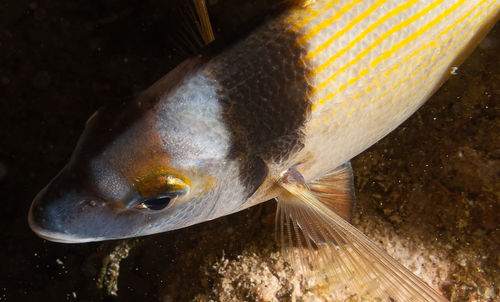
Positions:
{"x": 65, "y": 212}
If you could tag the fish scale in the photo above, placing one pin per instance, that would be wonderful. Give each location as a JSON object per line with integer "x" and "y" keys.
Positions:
{"x": 380, "y": 68}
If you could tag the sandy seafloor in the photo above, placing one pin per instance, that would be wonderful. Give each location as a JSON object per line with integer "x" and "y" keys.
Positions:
{"x": 429, "y": 193}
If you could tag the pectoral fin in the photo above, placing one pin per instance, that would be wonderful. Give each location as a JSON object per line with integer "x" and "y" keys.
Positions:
{"x": 336, "y": 191}
{"x": 316, "y": 239}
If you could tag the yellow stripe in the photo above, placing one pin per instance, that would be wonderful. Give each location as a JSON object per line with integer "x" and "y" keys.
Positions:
{"x": 443, "y": 62}
{"x": 455, "y": 53}
{"x": 420, "y": 49}
{"x": 421, "y": 58}
{"x": 433, "y": 43}
{"x": 312, "y": 14}
{"x": 314, "y": 31}
{"x": 428, "y": 45}
{"x": 363, "y": 35}
{"x": 393, "y": 30}
{"x": 387, "y": 54}
{"x": 348, "y": 27}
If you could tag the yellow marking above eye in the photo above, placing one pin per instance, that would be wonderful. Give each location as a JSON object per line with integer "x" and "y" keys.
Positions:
{"x": 159, "y": 182}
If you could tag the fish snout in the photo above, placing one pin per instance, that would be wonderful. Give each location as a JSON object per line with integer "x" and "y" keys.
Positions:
{"x": 46, "y": 219}
{"x": 41, "y": 221}
{"x": 61, "y": 214}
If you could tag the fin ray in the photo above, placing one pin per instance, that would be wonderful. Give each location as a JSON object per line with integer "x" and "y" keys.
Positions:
{"x": 302, "y": 3}
{"x": 203, "y": 21}
{"x": 336, "y": 190}
{"x": 316, "y": 239}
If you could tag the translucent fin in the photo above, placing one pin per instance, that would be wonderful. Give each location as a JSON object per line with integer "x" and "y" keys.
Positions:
{"x": 315, "y": 239}
{"x": 336, "y": 191}
{"x": 191, "y": 19}
{"x": 302, "y": 3}
{"x": 203, "y": 22}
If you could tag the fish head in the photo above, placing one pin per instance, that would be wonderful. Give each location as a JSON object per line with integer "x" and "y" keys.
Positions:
{"x": 157, "y": 163}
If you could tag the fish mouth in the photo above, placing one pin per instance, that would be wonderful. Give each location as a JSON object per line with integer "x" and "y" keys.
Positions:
{"x": 72, "y": 217}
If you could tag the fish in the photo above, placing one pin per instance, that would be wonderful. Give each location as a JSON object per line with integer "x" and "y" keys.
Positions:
{"x": 278, "y": 115}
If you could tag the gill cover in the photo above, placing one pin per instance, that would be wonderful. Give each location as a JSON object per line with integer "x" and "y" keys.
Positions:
{"x": 160, "y": 162}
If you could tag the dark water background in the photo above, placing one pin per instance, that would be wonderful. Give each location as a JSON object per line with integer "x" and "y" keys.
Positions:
{"x": 61, "y": 60}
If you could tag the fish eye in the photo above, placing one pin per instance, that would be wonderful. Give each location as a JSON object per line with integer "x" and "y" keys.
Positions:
{"x": 158, "y": 192}
{"x": 155, "y": 204}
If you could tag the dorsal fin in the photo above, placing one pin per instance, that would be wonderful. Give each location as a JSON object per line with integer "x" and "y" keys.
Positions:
{"x": 203, "y": 21}
{"x": 192, "y": 23}
{"x": 302, "y": 3}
